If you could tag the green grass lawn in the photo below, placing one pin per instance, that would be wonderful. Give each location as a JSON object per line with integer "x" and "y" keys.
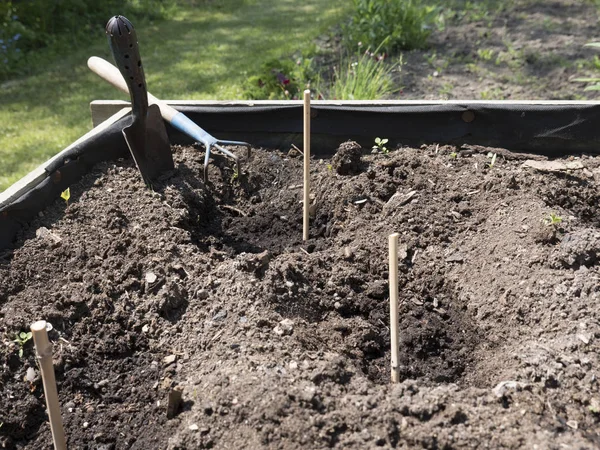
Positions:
{"x": 201, "y": 53}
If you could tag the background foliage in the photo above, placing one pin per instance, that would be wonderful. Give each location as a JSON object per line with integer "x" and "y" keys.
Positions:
{"x": 406, "y": 24}
{"x": 30, "y": 25}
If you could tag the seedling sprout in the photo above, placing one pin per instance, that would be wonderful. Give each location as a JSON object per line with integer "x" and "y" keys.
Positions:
{"x": 66, "y": 195}
{"x": 380, "y": 145}
{"x": 21, "y": 339}
{"x": 553, "y": 220}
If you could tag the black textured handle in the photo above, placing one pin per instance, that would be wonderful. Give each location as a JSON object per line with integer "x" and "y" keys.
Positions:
{"x": 124, "y": 46}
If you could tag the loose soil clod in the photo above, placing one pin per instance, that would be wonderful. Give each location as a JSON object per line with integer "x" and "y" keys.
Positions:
{"x": 281, "y": 344}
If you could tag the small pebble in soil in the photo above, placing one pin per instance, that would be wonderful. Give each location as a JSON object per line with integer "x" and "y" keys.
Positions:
{"x": 285, "y": 327}
{"x": 100, "y": 384}
{"x": 585, "y": 338}
{"x": 202, "y": 294}
{"x": 151, "y": 277}
{"x": 504, "y": 387}
{"x": 348, "y": 253}
{"x": 30, "y": 375}
{"x": 170, "y": 359}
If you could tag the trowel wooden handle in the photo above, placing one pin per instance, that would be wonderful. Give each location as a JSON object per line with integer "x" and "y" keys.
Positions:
{"x": 111, "y": 74}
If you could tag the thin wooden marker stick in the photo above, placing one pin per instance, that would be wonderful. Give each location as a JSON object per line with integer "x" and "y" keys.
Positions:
{"x": 43, "y": 349}
{"x": 306, "y": 164}
{"x": 394, "y": 305}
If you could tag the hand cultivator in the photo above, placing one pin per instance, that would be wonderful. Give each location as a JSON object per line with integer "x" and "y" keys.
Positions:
{"x": 179, "y": 120}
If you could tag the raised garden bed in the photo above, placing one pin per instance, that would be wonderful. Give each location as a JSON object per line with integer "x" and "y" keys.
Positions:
{"x": 278, "y": 343}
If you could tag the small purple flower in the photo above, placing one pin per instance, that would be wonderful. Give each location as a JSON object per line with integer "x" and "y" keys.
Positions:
{"x": 16, "y": 37}
{"x": 282, "y": 79}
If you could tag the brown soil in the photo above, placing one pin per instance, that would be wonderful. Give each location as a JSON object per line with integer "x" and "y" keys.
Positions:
{"x": 278, "y": 343}
{"x": 515, "y": 49}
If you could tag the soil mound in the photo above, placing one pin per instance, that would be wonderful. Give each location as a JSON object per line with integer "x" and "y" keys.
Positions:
{"x": 347, "y": 159}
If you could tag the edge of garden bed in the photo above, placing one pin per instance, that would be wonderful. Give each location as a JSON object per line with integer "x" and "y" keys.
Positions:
{"x": 551, "y": 128}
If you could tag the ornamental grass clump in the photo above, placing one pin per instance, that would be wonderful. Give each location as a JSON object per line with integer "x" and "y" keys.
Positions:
{"x": 365, "y": 76}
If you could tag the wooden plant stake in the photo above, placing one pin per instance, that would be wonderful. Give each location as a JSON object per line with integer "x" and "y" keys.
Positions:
{"x": 43, "y": 349}
{"x": 394, "y": 305}
{"x": 306, "y": 164}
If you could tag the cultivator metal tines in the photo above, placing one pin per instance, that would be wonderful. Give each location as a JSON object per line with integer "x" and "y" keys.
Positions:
{"x": 212, "y": 142}
{"x": 179, "y": 120}
{"x": 189, "y": 127}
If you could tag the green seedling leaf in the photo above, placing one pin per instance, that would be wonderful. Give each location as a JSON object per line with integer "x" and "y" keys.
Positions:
{"x": 21, "y": 339}
{"x": 493, "y": 159}
{"x": 66, "y": 194}
{"x": 552, "y": 220}
{"x": 593, "y": 44}
{"x": 380, "y": 145}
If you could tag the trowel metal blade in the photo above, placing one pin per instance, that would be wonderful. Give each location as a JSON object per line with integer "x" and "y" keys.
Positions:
{"x": 150, "y": 147}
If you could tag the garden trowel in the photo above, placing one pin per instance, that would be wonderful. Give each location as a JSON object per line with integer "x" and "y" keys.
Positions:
{"x": 146, "y": 136}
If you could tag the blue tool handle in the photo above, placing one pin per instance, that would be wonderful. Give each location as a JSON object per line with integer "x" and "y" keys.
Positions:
{"x": 189, "y": 127}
